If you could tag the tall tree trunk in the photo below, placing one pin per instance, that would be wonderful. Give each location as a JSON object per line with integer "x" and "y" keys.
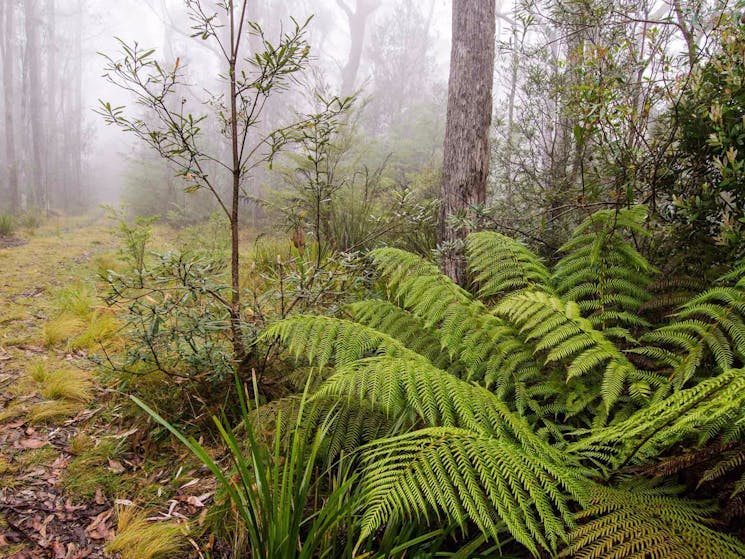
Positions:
{"x": 33, "y": 72}
{"x": 357, "y": 25}
{"x": 466, "y": 149}
{"x": 9, "y": 60}
{"x": 51, "y": 87}
{"x": 75, "y": 152}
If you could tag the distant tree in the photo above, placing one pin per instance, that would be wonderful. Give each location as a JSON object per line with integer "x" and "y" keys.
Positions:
{"x": 33, "y": 84}
{"x": 9, "y": 56}
{"x": 466, "y": 147}
{"x": 357, "y": 19}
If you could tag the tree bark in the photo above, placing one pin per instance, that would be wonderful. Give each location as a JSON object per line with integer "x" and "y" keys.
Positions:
{"x": 75, "y": 197}
{"x": 9, "y": 57}
{"x": 33, "y": 73}
{"x": 469, "y": 112}
{"x": 51, "y": 87}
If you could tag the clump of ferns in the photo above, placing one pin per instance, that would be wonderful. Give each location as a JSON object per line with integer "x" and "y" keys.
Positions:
{"x": 518, "y": 405}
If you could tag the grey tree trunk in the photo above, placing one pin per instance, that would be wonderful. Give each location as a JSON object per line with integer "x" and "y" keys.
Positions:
{"x": 466, "y": 149}
{"x": 9, "y": 56}
{"x": 33, "y": 76}
{"x": 75, "y": 150}
{"x": 51, "y": 94}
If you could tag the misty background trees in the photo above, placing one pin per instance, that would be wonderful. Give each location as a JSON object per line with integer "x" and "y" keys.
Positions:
{"x": 44, "y": 138}
{"x": 592, "y": 106}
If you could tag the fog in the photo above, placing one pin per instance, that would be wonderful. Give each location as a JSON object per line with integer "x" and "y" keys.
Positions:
{"x": 64, "y": 45}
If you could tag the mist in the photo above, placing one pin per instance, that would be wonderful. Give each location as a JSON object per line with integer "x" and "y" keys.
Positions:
{"x": 67, "y": 159}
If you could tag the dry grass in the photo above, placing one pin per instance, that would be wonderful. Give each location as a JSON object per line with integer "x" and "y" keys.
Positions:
{"x": 68, "y": 384}
{"x": 49, "y": 410}
{"x": 61, "y": 329}
{"x": 138, "y": 538}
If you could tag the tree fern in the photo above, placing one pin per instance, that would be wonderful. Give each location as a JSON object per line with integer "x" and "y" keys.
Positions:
{"x": 405, "y": 327}
{"x": 710, "y": 324}
{"x": 505, "y": 416}
{"x": 461, "y": 475}
{"x": 565, "y": 336}
{"x": 700, "y": 412}
{"x": 603, "y": 272}
{"x": 500, "y": 265}
{"x": 648, "y": 522}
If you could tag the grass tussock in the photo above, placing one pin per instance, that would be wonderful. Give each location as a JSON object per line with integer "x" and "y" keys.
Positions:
{"x": 138, "y": 538}
{"x": 77, "y": 299}
{"x": 63, "y": 328}
{"x": 50, "y": 410}
{"x": 7, "y": 225}
{"x": 66, "y": 384}
{"x": 101, "y": 328}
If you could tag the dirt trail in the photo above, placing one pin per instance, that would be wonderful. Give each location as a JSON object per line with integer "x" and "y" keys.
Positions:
{"x": 40, "y": 421}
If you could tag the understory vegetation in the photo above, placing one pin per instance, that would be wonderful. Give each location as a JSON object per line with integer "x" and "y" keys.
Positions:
{"x": 314, "y": 330}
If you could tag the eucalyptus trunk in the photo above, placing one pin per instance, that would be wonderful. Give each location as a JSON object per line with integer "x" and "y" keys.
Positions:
{"x": 9, "y": 57}
{"x": 469, "y": 113}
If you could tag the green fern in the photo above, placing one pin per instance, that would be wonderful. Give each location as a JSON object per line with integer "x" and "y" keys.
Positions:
{"x": 461, "y": 475}
{"x": 711, "y": 324}
{"x": 504, "y": 417}
{"x": 605, "y": 274}
{"x": 564, "y": 335}
{"x": 648, "y": 523}
{"x": 500, "y": 265}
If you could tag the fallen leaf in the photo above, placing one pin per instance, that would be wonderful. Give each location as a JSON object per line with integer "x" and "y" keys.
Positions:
{"x": 32, "y": 443}
{"x": 99, "y": 498}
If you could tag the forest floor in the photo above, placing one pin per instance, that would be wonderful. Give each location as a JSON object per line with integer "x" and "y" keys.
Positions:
{"x": 72, "y": 466}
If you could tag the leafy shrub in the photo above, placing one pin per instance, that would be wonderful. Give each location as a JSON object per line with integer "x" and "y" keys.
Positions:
{"x": 521, "y": 413}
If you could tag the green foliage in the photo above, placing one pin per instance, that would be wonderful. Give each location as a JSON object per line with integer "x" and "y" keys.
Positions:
{"x": 501, "y": 265}
{"x": 710, "y": 326}
{"x": 648, "y": 522}
{"x": 604, "y": 273}
{"x": 7, "y": 225}
{"x": 271, "y": 485}
{"x": 709, "y": 169}
{"x": 505, "y": 418}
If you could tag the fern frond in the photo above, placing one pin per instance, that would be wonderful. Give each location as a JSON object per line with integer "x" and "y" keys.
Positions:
{"x": 700, "y": 412}
{"x": 461, "y": 475}
{"x": 407, "y": 328}
{"x": 324, "y": 340}
{"x": 564, "y": 335}
{"x": 501, "y": 265}
{"x": 607, "y": 277}
{"x": 711, "y": 324}
{"x": 396, "y": 384}
{"x": 646, "y": 522}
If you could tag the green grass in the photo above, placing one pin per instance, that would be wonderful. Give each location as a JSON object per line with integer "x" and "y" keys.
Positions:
{"x": 7, "y": 225}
